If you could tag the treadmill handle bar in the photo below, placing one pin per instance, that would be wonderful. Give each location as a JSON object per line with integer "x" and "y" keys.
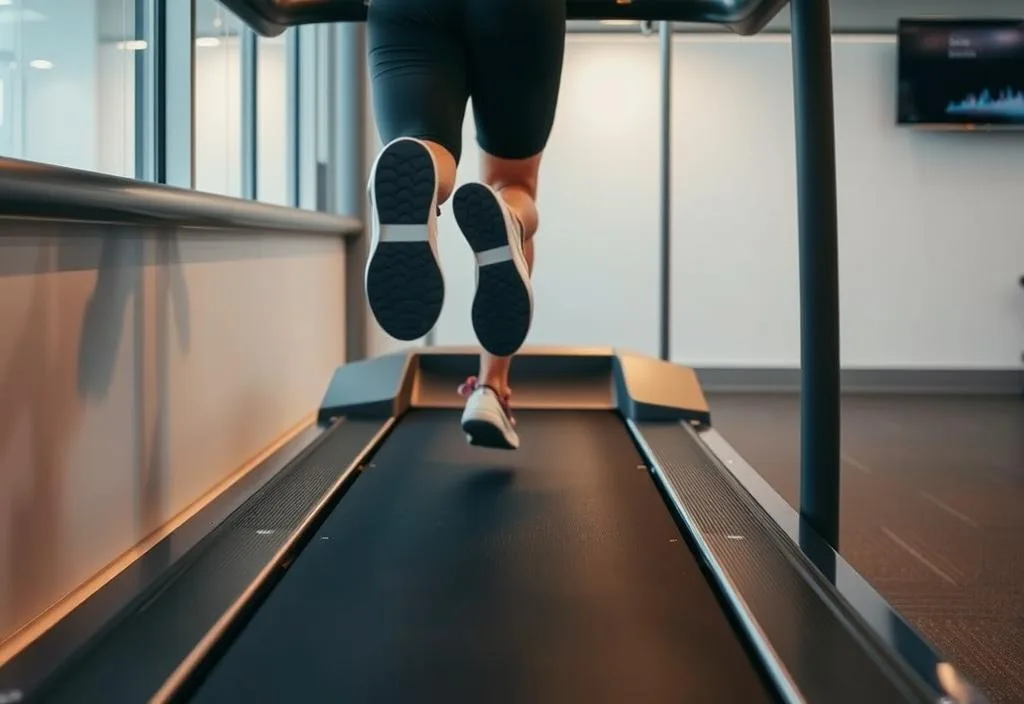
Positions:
{"x": 819, "y": 267}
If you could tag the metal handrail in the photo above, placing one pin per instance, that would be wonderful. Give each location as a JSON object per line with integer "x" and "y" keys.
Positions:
{"x": 33, "y": 190}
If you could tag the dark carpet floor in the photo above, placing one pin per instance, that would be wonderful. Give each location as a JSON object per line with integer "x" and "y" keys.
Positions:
{"x": 932, "y": 512}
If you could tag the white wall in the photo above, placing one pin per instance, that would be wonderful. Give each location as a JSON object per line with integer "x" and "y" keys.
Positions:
{"x": 929, "y": 223}
{"x": 135, "y": 376}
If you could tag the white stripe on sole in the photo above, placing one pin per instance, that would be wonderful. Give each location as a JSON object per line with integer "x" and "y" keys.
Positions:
{"x": 494, "y": 256}
{"x": 404, "y": 233}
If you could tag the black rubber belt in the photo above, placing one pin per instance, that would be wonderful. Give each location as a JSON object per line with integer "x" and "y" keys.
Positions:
{"x": 449, "y": 573}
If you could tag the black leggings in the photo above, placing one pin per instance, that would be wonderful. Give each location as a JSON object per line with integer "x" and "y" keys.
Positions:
{"x": 428, "y": 57}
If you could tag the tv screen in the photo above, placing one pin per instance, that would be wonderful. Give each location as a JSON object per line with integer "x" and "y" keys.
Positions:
{"x": 961, "y": 72}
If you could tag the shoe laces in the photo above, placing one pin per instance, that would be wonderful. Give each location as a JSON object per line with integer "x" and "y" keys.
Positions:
{"x": 472, "y": 384}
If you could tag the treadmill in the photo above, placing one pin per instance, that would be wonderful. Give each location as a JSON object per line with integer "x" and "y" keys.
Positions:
{"x": 625, "y": 553}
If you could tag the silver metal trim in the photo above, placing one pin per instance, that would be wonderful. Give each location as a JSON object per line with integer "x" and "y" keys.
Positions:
{"x": 250, "y": 138}
{"x": 873, "y": 609}
{"x": 771, "y": 660}
{"x": 184, "y": 672}
{"x": 40, "y": 649}
{"x": 33, "y": 190}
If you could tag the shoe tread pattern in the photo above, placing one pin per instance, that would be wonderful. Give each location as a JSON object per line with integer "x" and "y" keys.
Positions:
{"x": 502, "y": 310}
{"x": 404, "y": 285}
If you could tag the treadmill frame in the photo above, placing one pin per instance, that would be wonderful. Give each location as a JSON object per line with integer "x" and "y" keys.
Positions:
{"x": 646, "y": 393}
{"x": 367, "y": 399}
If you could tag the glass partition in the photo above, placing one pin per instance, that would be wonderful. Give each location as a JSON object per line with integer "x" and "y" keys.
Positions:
{"x": 70, "y": 75}
{"x": 274, "y": 108}
{"x": 218, "y": 100}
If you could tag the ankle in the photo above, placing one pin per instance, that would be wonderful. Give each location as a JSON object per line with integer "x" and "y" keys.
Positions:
{"x": 498, "y": 384}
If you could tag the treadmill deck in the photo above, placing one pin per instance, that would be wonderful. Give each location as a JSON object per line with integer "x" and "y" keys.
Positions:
{"x": 553, "y": 573}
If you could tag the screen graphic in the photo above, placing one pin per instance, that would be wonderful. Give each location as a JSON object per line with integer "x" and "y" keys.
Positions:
{"x": 961, "y": 72}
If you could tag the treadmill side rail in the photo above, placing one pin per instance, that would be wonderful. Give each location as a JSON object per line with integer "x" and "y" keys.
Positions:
{"x": 853, "y": 591}
{"x": 810, "y": 641}
{"x": 342, "y": 465}
{"x": 191, "y": 602}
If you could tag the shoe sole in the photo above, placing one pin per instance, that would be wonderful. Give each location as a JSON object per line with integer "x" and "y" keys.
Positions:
{"x": 480, "y": 433}
{"x": 502, "y": 306}
{"x": 404, "y": 284}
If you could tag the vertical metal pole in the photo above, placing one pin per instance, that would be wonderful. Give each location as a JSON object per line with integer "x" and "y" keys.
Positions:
{"x": 191, "y": 137}
{"x": 665, "y": 195}
{"x": 144, "y": 109}
{"x": 250, "y": 127}
{"x": 174, "y": 89}
{"x": 164, "y": 99}
{"x": 819, "y": 268}
{"x": 293, "y": 87}
{"x": 160, "y": 78}
{"x": 323, "y": 101}
{"x": 349, "y": 163}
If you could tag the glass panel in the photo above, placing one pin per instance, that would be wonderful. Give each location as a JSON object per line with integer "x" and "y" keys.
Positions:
{"x": 314, "y": 100}
{"x": 218, "y": 100}
{"x": 272, "y": 104}
{"x": 177, "y": 102}
{"x": 69, "y": 74}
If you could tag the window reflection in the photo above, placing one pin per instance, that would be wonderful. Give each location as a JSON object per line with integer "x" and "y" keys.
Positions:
{"x": 273, "y": 105}
{"x": 218, "y": 100}
{"x": 68, "y": 81}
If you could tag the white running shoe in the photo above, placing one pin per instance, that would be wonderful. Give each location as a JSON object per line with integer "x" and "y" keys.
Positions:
{"x": 487, "y": 420}
{"x": 404, "y": 284}
{"x": 503, "y": 304}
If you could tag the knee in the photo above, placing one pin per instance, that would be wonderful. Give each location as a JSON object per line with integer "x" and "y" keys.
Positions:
{"x": 517, "y": 174}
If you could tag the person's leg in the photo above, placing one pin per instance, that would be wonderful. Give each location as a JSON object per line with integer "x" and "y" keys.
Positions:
{"x": 420, "y": 90}
{"x": 515, "y": 181}
{"x": 516, "y": 51}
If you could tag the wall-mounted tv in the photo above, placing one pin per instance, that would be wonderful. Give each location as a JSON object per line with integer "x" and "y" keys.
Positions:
{"x": 961, "y": 73}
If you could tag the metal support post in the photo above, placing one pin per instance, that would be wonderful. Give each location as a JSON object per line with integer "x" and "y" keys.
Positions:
{"x": 250, "y": 114}
{"x": 665, "y": 195}
{"x": 819, "y": 268}
{"x": 349, "y": 157}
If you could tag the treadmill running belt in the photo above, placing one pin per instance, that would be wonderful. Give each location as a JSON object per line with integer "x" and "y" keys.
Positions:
{"x": 450, "y": 573}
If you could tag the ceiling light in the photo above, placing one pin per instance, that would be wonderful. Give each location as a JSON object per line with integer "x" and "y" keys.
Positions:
{"x": 133, "y": 45}
{"x": 41, "y": 64}
{"x": 207, "y": 41}
{"x": 618, "y": 23}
